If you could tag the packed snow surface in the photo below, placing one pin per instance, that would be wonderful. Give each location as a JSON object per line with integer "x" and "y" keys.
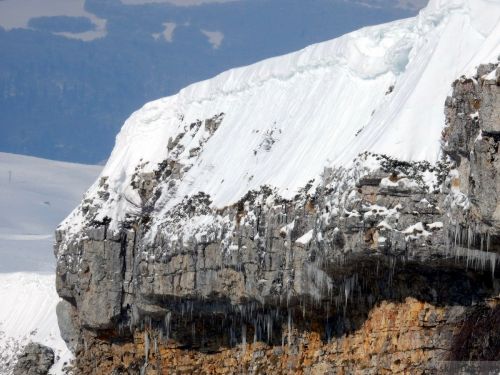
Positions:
{"x": 35, "y": 195}
{"x": 379, "y": 89}
{"x": 28, "y": 313}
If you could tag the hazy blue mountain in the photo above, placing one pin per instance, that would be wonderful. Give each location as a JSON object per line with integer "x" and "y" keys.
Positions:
{"x": 64, "y": 98}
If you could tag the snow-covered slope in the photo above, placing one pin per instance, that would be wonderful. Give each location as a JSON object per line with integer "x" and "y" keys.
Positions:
{"x": 35, "y": 195}
{"x": 28, "y": 313}
{"x": 379, "y": 89}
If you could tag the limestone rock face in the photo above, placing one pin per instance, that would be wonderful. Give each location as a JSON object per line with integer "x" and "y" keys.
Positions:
{"x": 370, "y": 270}
{"x": 66, "y": 318}
{"x": 472, "y": 141}
{"x": 36, "y": 359}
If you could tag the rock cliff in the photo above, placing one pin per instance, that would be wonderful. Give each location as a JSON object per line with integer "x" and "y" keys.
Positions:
{"x": 388, "y": 266}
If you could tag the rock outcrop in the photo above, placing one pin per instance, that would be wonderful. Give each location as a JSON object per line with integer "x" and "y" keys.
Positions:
{"x": 36, "y": 359}
{"x": 385, "y": 269}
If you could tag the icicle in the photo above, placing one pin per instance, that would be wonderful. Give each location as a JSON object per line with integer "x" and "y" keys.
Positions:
{"x": 146, "y": 346}
{"x": 493, "y": 262}
{"x": 244, "y": 337}
{"x": 269, "y": 328}
{"x": 231, "y": 335}
{"x": 255, "y": 325}
{"x": 168, "y": 318}
{"x": 289, "y": 328}
{"x": 347, "y": 290}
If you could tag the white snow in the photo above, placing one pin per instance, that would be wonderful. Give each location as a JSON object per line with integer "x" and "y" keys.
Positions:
{"x": 35, "y": 194}
{"x": 403, "y": 183}
{"x": 435, "y": 225}
{"x": 384, "y": 225}
{"x": 33, "y": 200}
{"x": 27, "y": 313}
{"x": 306, "y": 238}
{"x": 376, "y": 210}
{"x": 491, "y": 76}
{"x": 311, "y": 103}
{"x": 287, "y": 229}
{"x": 479, "y": 136}
{"x": 215, "y": 38}
{"x": 415, "y": 231}
{"x": 167, "y": 33}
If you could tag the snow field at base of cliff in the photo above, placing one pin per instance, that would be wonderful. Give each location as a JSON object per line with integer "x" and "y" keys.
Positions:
{"x": 35, "y": 195}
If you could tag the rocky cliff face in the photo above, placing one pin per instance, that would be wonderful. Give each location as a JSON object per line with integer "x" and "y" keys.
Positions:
{"x": 385, "y": 267}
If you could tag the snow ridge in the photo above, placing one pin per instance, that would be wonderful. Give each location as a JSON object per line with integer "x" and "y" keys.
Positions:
{"x": 285, "y": 119}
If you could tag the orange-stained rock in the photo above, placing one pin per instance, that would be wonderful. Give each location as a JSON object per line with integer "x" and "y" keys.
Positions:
{"x": 396, "y": 338}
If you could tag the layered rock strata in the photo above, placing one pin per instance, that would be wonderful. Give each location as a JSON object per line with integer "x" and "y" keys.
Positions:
{"x": 386, "y": 267}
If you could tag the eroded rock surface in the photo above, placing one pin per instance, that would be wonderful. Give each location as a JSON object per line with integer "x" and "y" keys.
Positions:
{"x": 385, "y": 269}
{"x": 36, "y": 359}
